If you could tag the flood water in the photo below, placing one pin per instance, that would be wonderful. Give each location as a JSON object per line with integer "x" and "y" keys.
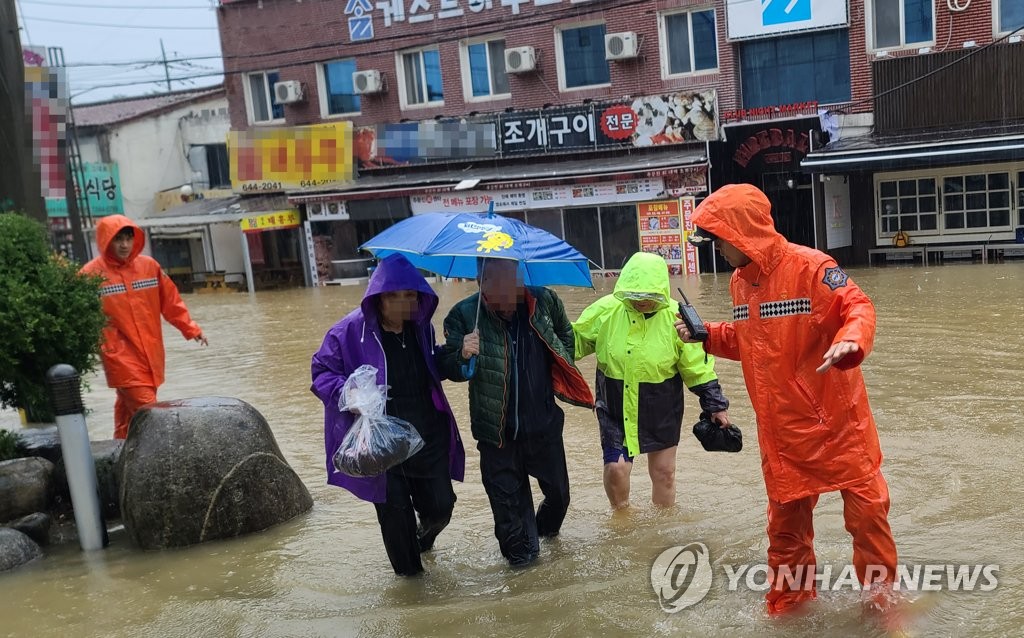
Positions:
{"x": 946, "y": 380}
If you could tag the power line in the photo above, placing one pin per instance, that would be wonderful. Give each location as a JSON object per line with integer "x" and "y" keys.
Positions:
{"x": 113, "y": 6}
{"x": 138, "y": 62}
{"x": 117, "y": 26}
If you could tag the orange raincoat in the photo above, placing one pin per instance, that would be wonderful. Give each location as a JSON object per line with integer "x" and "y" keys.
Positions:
{"x": 815, "y": 430}
{"x": 136, "y": 293}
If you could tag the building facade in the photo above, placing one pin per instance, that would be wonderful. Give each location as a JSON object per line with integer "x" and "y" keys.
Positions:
{"x": 138, "y": 154}
{"x": 575, "y": 114}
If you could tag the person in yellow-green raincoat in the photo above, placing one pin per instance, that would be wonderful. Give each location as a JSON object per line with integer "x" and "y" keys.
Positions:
{"x": 642, "y": 370}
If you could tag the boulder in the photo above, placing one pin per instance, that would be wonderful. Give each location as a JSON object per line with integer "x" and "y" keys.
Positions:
{"x": 105, "y": 455}
{"x": 200, "y": 469}
{"x": 16, "y": 549}
{"x": 25, "y": 487}
{"x": 40, "y": 441}
{"x": 35, "y": 526}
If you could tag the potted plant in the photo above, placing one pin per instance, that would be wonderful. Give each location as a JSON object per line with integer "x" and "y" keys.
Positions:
{"x": 51, "y": 314}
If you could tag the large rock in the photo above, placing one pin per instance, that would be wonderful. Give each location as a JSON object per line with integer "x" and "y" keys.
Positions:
{"x": 105, "y": 456}
{"x": 16, "y": 549}
{"x": 40, "y": 441}
{"x": 24, "y": 487}
{"x": 201, "y": 469}
{"x": 35, "y": 526}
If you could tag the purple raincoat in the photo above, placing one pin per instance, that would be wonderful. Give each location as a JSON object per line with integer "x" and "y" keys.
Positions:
{"x": 355, "y": 341}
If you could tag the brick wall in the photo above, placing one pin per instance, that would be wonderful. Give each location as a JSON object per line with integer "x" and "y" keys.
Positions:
{"x": 320, "y": 28}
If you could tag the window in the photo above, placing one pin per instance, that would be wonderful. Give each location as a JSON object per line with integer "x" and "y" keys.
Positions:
{"x": 549, "y": 219}
{"x": 690, "y": 42}
{"x": 803, "y": 68}
{"x": 583, "y": 232}
{"x": 337, "y": 95}
{"x": 976, "y": 201}
{"x": 619, "y": 235}
{"x": 898, "y": 23}
{"x": 1010, "y": 15}
{"x": 217, "y": 165}
{"x": 483, "y": 66}
{"x": 1020, "y": 198}
{"x": 581, "y": 60}
{"x": 260, "y": 95}
{"x": 420, "y": 77}
{"x": 908, "y": 205}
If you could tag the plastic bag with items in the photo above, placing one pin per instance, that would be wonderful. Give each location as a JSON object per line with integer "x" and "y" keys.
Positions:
{"x": 376, "y": 442}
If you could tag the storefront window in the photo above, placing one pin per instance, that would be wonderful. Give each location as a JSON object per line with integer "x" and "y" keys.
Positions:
{"x": 583, "y": 231}
{"x": 619, "y": 233}
{"x": 549, "y": 220}
{"x": 1020, "y": 198}
{"x": 909, "y": 205}
{"x": 976, "y": 201}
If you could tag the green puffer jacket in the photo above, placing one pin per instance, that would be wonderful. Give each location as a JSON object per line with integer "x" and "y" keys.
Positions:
{"x": 489, "y": 387}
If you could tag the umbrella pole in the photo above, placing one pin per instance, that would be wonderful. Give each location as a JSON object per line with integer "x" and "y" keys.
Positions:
{"x": 469, "y": 369}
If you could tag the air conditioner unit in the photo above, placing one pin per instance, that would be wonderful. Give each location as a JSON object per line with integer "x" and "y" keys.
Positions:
{"x": 520, "y": 60}
{"x": 315, "y": 209}
{"x": 367, "y": 82}
{"x": 621, "y": 46}
{"x": 288, "y": 92}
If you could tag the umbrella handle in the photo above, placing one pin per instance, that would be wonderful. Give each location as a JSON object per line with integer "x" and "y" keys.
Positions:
{"x": 468, "y": 370}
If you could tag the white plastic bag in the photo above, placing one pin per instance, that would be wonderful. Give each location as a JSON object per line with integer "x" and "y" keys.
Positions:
{"x": 376, "y": 441}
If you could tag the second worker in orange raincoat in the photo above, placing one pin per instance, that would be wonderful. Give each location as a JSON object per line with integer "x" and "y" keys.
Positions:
{"x": 135, "y": 294}
{"x": 800, "y": 329}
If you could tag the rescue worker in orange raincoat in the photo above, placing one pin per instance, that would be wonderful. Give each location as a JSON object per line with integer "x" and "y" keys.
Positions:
{"x": 135, "y": 294}
{"x": 801, "y": 327}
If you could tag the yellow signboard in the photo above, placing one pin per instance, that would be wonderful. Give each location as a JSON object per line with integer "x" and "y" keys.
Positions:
{"x": 270, "y": 221}
{"x": 268, "y": 159}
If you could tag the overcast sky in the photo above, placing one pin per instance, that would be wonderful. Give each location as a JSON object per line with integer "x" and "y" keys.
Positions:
{"x": 91, "y": 31}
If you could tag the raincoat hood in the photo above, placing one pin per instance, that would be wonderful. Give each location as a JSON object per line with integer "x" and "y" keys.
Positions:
{"x": 647, "y": 274}
{"x": 109, "y": 227}
{"x": 742, "y": 215}
{"x": 394, "y": 273}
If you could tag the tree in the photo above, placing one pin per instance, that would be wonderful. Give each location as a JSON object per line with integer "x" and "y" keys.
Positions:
{"x": 51, "y": 314}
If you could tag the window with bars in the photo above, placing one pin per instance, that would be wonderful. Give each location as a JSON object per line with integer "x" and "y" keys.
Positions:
{"x": 908, "y": 205}
{"x": 976, "y": 201}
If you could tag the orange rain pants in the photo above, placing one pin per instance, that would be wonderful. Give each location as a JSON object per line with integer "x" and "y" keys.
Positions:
{"x": 791, "y": 542}
{"x": 128, "y": 402}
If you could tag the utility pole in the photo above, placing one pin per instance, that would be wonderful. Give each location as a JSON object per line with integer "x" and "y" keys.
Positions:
{"x": 20, "y": 185}
{"x": 167, "y": 72}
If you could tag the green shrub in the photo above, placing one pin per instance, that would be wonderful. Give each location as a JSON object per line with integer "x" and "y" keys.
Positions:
{"x": 8, "y": 445}
{"x": 51, "y": 314}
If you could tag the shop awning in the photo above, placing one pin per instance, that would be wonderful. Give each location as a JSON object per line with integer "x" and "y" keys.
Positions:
{"x": 545, "y": 168}
{"x": 871, "y": 153}
{"x": 198, "y": 213}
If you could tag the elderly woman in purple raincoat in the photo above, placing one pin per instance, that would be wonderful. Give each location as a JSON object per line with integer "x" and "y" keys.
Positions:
{"x": 391, "y": 331}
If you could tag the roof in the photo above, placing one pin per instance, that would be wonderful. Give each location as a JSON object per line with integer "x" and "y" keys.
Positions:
{"x": 197, "y": 213}
{"x": 876, "y": 152}
{"x": 125, "y": 109}
{"x": 539, "y": 169}
{"x": 226, "y": 210}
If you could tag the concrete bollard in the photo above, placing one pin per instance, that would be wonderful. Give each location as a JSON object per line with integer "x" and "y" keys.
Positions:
{"x": 65, "y": 390}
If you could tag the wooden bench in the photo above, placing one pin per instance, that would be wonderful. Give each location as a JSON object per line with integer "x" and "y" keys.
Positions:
{"x": 967, "y": 250}
{"x": 899, "y": 254}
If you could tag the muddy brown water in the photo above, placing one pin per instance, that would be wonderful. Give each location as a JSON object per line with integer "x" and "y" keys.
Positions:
{"x": 946, "y": 380}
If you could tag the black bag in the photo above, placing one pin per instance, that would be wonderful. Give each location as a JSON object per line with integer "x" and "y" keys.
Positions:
{"x": 715, "y": 438}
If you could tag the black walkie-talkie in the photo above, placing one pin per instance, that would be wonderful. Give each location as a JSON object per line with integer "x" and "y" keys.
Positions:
{"x": 692, "y": 320}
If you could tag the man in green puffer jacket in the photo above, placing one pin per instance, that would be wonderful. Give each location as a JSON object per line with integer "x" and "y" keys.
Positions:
{"x": 524, "y": 347}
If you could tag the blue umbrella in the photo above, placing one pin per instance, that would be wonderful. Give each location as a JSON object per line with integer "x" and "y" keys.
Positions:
{"x": 450, "y": 243}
